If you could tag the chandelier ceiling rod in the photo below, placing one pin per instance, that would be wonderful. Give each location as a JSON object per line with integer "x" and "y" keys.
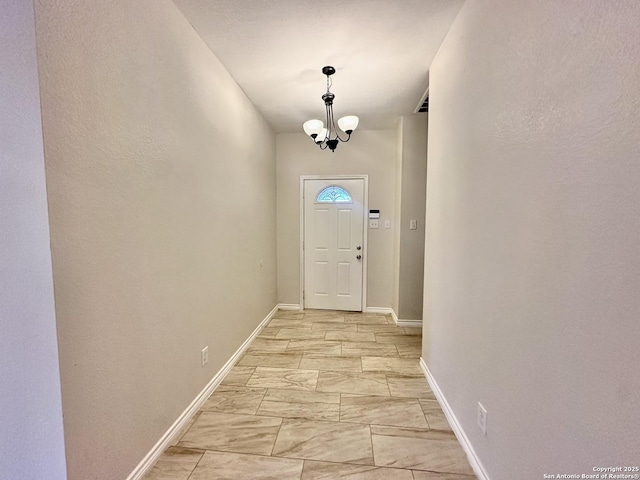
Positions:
{"x": 328, "y": 137}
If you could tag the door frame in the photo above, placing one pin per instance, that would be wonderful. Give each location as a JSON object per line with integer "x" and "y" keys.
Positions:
{"x": 365, "y": 227}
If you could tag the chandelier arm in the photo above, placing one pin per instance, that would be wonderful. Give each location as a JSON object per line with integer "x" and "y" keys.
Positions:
{"x": 342, "y": 140}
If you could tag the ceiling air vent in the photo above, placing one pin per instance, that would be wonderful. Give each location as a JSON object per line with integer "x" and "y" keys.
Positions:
{"x": 423, "y": 106}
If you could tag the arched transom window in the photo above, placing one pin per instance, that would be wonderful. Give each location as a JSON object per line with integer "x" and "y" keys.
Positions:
{"x": 333, "y": 194}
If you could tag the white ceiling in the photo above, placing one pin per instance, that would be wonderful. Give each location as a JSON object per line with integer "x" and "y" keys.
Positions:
{"x": 275, "y": 50}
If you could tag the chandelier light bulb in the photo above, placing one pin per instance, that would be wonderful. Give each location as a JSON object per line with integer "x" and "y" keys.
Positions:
{"x": 312, "y": 127}
{"x": 322, "y": 136}
{"x": 348, "y": 124}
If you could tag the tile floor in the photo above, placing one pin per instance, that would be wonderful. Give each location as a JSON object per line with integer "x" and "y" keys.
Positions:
{"x": 321, "y": 395}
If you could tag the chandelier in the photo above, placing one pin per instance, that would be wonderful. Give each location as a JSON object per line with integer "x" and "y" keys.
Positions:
{"x": 328, "y": 137}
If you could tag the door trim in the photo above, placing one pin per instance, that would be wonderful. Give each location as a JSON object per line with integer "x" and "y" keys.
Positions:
{"x": 365, "y": 224}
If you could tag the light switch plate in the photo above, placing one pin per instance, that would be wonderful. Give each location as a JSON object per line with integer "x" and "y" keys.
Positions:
{"x": 413, "y": 224}
{"x": 387, "y": 224}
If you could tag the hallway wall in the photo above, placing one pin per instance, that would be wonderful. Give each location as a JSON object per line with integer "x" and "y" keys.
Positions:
{"x": 368, "y": 152}
{"x": 411, "y": 194}
{"x": 533, "y": 221}
{"x": 32, "y": 441}
{"x": 161, "y": 181}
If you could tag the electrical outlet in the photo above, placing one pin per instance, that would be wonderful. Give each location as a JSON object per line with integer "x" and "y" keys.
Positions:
{"x": 373, "y": 223}
{"x": 205, "y": 356}
{"x": 482, "y": 418}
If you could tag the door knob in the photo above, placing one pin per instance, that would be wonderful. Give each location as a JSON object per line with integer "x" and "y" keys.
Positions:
{"x": 358, "y": 247}
{"x": 358, "y": 257}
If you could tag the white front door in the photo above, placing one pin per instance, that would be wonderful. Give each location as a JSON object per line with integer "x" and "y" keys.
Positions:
{"x": 333, "y": 243}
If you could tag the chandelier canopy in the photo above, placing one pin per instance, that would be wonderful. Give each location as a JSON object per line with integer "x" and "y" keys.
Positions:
{"x": 328, "y": 137}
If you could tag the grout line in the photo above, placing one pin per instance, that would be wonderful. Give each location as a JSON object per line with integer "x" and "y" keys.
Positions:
{"x": 196, "y": 465}
{"x": 389, "y": 388}
{"x": 373, "y": 454}
{"x": 277, "y": 435}
{"x": 266, "y": 390}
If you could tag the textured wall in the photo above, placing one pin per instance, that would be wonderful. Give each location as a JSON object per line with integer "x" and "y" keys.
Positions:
{"x": 368, "y": 152}
{"x": 161, "y": 180}
{"x": 533, "y": 221}
{"x": 32, "y": 442}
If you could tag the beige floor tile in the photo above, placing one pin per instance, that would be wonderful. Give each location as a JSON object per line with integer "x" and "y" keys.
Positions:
{"x": 349, "y": 336}
{"x": 300, "y": 404}
{"x": 366, "y": 319}
{"x": 238, "y": 376}
{"x": 324, "y": 326}
{"x": 268, "y": 332}
{"x": 327, "y": 441}
{"x": 278, "y": 360}
{"x": 418, "y": 475}
{"x": 236, "y": 466}
{"x": 409, "y": 387}
{"x": 267, "y": 345}
{"x": 410, "y": 432}
{"x": 392, "y": 366}
{"x": 315, "y": 346}
{"x": 339, "y": 319}
{"x": 364, "y": 314}
{"x": 311, "y": 313}
{"x": 230, "y": 399}
{"x": 409, "y": 351}
{"x": 434, "y": 415}
{"x": 400, "y": 412}
{"x": 353, "y": 382}
{"x": 398, "y": 339}
{"x": 232, "y": 433}
{"x": 289, "y": 323}
{"x": 288, "y": 378}
{"x": 438, "y": 452}
{"x": 393, "y": 329}
{"x": 300, "y": 334}
{"x": 331, "y": 363}
{"x": 314, "y": 470}
{"x": 176, "y": 463}
{"x": 413, "y": 331}
{"x": 293, "y": 314}
{"x": 369, "y": 349}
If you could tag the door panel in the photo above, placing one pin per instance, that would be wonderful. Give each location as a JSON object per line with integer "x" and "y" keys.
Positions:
{"x": 344, "y": 229}
{"x": 322, "y": 227}
{"x": 333, "y": 275}
{"x": 321, "y": 279}
{"x": 344, "y": 279}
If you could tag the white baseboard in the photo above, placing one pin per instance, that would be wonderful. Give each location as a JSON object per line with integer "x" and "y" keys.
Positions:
{"x": 289, "y": 306}
{"x": 391, "y": 311}
{"x": 475, "y": 462}
{"x": 166, "y": 440}
{"x": 382, "y": 310}
{"x": 409, "y": 323}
